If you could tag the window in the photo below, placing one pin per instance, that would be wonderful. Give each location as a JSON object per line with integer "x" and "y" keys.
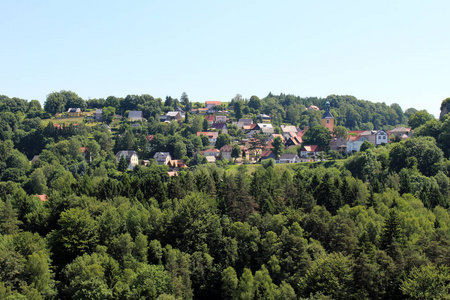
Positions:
{"x": 328, "y": 121}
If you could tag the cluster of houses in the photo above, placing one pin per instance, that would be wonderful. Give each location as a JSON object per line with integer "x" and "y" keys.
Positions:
{"x": 290, "y": 135}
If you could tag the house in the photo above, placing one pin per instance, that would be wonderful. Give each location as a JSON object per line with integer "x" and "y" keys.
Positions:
{"x": 135, "y": 115}
{"x": 273, "y": 136}
{"x": 220, "y": 119}
{"x": 354, "y": 143}
{"x": 210, "y": 119}
{"x": 210, "y": 159}
{"x": 176, "y": 164}
{"x": 212, "y": 136}
{"x": 98, "y": 115}
{"x": 34, "y": 159}
{"x": 172, "y": 173}
{"x": 202, "y": 110}
{"x": 264, "y": 118}
{"x": 173, "y": 115}
{"x": 266, "y": 128}
{"x": 220, "y": 126}
{"x": 287, "y": 130}
{"x": 228, "y": 149}
{"x": 381, "y": 137}
{"x": 309, "y": 150}
{"x": 211, "y": 104}
{"x": 162, "y": 158}
{"x": 268, "y": 154}
{"x": 74, "y": 112}
{"x": 211, "y": 152}
{"x": 245, "y": 122}
{"x": 293, "y": 141}
{"x": 338, "y": 144}
{"x": 288, "y": 158}
{"x": 400, "y": 132}
{"x": 131, "y": 157}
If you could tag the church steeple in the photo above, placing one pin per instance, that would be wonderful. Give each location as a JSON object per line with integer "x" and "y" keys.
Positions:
{"x": 327, "y": 118}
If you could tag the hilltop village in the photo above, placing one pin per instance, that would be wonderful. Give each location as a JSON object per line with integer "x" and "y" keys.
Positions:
{"x": 283, "y": 197}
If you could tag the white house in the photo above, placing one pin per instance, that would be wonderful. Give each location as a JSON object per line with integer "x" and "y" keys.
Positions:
{"x": 131, "y": 157}
{"x": 381, "y": 137}
{"x": 162, "y": 158}
{"x": 354, "y": 143}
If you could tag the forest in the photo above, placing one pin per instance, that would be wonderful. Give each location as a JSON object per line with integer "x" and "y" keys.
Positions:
{"x": 77, "y": 224}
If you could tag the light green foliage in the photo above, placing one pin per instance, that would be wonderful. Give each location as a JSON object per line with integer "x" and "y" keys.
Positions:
{"x": 427, "y": 282}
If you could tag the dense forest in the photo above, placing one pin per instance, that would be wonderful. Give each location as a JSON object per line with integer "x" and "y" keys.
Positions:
{"x": 374, "y": 225}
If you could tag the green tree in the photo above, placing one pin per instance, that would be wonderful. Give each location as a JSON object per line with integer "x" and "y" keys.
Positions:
{"x": 54, "y": 103}
{"x": 278, "y": 146}
{"x": 236, "y": 152}
{"x": 229, "y": 283}
{"x": 366, "y": 145}
{"x": 222, "y": 140}
{"x": 318, "y": 135}
{"x": 419, "y": 118}
{"x": 340, "y": 131}
{"x": 427, "y": 282}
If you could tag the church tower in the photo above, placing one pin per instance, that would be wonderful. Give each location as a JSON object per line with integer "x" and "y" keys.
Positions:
{"x": 327, "y": 118}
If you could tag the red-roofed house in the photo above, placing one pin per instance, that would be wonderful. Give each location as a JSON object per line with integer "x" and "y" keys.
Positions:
{"x": 43, "y": 198}
{"x": 210, "y": 119}
{"x": 268, "y": 154}
{"x": 210, "y": 152}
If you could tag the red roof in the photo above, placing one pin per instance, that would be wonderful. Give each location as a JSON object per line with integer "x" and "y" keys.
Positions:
{"x": 209, "y": 118}
{"x": 150, "y": 137}
{"x": 266, "y": 153}
{"x": 83, "y": 149}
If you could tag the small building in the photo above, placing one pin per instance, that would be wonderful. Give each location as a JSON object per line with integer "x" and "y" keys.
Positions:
{"x": 245, "y": 122}
{"x": 74, "y": 112}
{"x": 354, "y": 143}
{"x": 309, "y": 151}
{"x": 173, "y": 115}
{"x": 212, "y": 136}
{"x": 381, "y": 137}
{"x": 288, "y": 158}
{"x": 135, "y": 115}
{"x": 211, "y": 152}
{"x": 220, "y": 126}
{"x": 265, "y": 118}
{"x": 211, "y": 104}
{"x": 209, "y": 119}
{"x": 98, "y": 115}
{"x": 162, "y": 158}
{"x": 131, "y": 157}
{"x": 401, "y": 132}
{"x": 338, "y": 143}
{"x": 220, "y": 119}
{"x": 268, "y": 154}
{"x": 266, "y": 128}
{"x": 176, "y": 164}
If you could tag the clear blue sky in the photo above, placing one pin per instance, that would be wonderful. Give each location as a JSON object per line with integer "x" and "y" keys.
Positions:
{"x": 381, "y": 51}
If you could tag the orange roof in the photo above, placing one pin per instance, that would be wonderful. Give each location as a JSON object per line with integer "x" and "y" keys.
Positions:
{"x": 311, "y": 148}
{"x": 43, "y": 198}
{"x": 210, "y": 135}
{"x": 209, "y": 118}
{"x": 215, "y": 103}
{"x": 83, "y": 149}
{"x": 172, "y": 173}
{"x": 150, "y": 137}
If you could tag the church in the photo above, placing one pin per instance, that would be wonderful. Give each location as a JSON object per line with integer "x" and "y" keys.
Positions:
{"x": 327, "y": 118}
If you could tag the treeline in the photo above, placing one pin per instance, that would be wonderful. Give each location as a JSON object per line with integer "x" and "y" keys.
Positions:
{"x": 348, "y": 111}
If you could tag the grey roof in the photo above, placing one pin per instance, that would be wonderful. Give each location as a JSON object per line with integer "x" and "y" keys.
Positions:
{"x": 135, "y": 114}
{"x": 127, "y": 153}
{"x": 73, "y": 109}
{"x": 99, "y": 111}
{"x": 327, "y": 115}
{"x": 288, "y": 128}
{"x": 219, "y": 125}
{"x": 161, "y": 155}
{"x": 172, "y": 113}
{"x": 288, "y": 156}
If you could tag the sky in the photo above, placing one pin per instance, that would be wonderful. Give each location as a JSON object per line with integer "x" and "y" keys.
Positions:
{"x": 381, "y": 51}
